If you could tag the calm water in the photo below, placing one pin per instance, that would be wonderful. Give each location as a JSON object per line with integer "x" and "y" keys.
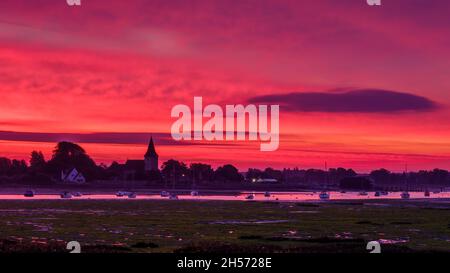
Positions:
{"x": 258, "y": 196}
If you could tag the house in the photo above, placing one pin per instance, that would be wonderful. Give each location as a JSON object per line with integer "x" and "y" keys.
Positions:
{"x": 72, "y": 176}
{"x": 265, "y": 180}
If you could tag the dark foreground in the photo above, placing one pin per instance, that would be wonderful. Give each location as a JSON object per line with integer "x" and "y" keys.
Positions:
{"x": 223, "y": 226}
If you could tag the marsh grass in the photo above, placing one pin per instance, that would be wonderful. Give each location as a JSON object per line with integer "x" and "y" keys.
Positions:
{"x": 186, "y": 226}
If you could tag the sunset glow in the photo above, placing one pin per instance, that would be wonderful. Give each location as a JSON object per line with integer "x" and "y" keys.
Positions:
{"x": 107, "y": 76}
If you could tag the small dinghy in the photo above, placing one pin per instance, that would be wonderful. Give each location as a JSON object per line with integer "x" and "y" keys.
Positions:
{"x": 165, "y": 194}
{"x": 119, "y": 194}
{"x": 77, "y": 194}
{"x": 29, "y": 193}
{"x": 250, "y": 197}
{"x": 173, "y": 197}
{"x": 324, "y": 195}
{"x": 194, "y": 193}
{"x": 405, "y": 195}
{"x": 66, "y": 195}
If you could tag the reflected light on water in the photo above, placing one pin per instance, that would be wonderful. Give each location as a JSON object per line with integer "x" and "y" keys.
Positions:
{"x": 258, "y": 196}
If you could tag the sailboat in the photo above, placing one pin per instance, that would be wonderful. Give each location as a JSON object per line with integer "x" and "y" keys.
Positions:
{"x": 324, "y": 195}
{"x": 405, "y": 194}
{"x": 193, "y": 191}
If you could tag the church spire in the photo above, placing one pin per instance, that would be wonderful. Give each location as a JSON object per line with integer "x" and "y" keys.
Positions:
{"x": 151, "y": 152}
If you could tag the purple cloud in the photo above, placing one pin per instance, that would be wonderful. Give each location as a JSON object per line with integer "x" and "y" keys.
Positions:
{"x": 351, "y": 101}
{"x": 114, "y": 138}
{"x": 99, "y": 138}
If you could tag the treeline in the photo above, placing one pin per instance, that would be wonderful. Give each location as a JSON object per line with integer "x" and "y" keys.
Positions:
{"x": 436, "y": 177}
{"x": 176, "y": 173}
{"x": 67, "y": 155}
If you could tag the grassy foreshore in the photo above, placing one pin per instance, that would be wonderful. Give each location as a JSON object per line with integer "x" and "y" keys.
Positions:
{"x": 225, "y": 226}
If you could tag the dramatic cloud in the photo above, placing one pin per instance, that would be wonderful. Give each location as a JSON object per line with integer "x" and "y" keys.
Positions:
{"x": 113, "y": 138}
{"x": 99, "y": 138}
{"x": 120, "y": 66}
{"x": 360, "y": 101}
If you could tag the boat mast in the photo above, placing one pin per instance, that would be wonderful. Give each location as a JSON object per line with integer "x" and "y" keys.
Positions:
{"x": 406, "y": 176}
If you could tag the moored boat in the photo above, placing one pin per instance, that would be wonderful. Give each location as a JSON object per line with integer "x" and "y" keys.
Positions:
{"x": 250, "y": 197}
{"x": 405, "y": 195}
{"x": 77, "y": 194}
{"x": 324, "y": 195}
{"x": 66, "y": 195}
{"x": 165, "y": 194}
{"x": 29, "y": 193}
{"x": 194, "y": 193}
{"x": 173, "y": 197}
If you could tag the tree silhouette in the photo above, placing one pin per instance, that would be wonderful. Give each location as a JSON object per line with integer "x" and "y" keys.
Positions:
{"x": 227, "y": 173}
{"x": 37, "y": 161}
{"x": 253, "y": 174}
{"x": 381, "y": 176}
{"x": 201, "y": 173}
{"x": 5, "y": 165}
{"x": 18, "y": 167}
{"x": 69, "y": 155}
{"x": 173, "y": 171}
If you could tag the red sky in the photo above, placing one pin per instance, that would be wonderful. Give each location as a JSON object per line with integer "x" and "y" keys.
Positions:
{"x": 120, "y": 66}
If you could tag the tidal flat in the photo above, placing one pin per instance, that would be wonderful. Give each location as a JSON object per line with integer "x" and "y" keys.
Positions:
{"x": 182, "y": 226}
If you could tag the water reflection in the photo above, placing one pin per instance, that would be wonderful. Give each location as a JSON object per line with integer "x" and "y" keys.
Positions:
{"x": 243, "y": 196}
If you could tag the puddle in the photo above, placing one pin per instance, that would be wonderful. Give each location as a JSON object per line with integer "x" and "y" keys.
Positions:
{"x": 343, "y": 235}
{"x": 393, "y": 241}
{"x": 250, "y": 222}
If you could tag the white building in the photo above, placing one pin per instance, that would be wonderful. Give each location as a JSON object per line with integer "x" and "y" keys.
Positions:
{"x": 72, "y": 176}
{"x": 265, "y": 180}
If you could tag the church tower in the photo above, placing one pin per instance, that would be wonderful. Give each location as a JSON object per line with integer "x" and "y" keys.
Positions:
{"x": 151, "y": 157}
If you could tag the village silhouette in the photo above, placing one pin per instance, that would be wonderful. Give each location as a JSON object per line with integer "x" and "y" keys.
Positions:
{"x": 71, "y": 165}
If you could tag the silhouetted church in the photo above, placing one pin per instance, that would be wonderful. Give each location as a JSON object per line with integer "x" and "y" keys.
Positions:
{"x": 138, "y": 169}
{"x": 151, "y": 157}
